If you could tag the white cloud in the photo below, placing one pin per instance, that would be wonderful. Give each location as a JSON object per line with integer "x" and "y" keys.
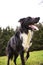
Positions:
{"x": 12, "y": 10}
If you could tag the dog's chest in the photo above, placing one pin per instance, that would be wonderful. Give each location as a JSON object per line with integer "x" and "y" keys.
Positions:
{"x": 26, "y": 40}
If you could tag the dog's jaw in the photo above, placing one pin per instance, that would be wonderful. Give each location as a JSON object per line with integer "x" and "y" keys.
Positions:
{"x": 34, "y": 27}
{"x": 26, "y": 40}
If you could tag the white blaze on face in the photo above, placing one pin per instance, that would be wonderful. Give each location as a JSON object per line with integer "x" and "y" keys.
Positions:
{"x": 26, "y": 40}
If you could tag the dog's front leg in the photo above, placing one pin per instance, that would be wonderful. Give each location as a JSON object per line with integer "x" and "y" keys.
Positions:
{"x": 22, "y": 58}
{"x": 27, "y": 56}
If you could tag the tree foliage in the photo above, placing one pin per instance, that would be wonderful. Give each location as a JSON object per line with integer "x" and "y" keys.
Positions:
{"x": 5, "y": 35}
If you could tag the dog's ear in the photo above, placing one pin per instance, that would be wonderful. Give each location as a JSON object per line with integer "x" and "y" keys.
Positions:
{"x": 21, "y": 20}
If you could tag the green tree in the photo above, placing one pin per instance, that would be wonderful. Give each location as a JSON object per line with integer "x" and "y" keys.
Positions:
{"x": 4, "y": 37}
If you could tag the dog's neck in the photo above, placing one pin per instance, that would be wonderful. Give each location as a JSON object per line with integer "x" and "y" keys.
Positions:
{"x": 26, "y": 39}
{"x": 24, "y": 30}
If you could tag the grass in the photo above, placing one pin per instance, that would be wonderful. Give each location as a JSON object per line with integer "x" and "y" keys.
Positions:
{"x": 36, "y": 58}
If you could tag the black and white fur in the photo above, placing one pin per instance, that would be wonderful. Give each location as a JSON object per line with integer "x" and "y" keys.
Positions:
{"x": 21, "y": 41}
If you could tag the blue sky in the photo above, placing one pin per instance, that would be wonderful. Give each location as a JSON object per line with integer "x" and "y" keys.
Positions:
{"x": 12, "y": 10}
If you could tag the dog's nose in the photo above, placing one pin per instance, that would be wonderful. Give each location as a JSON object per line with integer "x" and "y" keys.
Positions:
{"x": 38, "y": 18}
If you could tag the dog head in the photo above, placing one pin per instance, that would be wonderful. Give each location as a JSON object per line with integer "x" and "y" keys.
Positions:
{"x": 29, "y": 23}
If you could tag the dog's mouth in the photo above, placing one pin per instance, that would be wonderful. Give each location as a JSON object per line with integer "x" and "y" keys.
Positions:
{"x": 34, "y": 27}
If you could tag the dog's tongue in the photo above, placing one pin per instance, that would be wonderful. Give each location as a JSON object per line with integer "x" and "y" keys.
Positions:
{"x": 34, "y": 27}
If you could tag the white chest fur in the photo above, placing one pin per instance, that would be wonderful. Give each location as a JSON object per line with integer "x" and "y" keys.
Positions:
{"x": 26, "y": 40}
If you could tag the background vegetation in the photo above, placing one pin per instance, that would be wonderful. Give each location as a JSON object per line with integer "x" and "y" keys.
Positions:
{"x": 6, "y": 34}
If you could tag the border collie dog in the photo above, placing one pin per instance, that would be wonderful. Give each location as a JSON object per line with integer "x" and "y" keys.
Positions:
{"x": 21, "y": 41}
